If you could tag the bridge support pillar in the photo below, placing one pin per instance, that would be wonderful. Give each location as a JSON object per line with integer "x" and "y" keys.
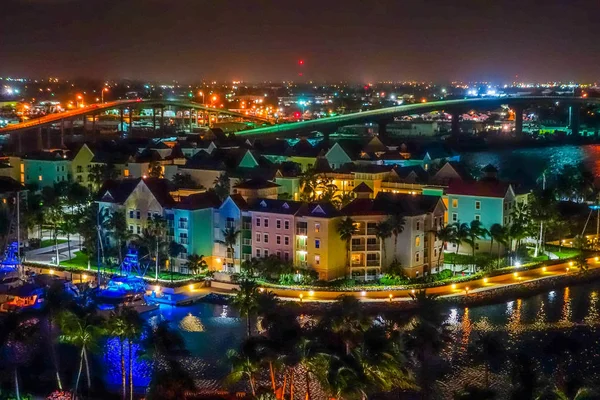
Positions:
{"x": 39, "y": 143}
{"x": 519, "y": 120}
{"x": 121, "y": 119}
{"x": 574, "y": 122}
{"x": 131, "y": 111}
{"x": 382, "y": 126}
{"x": 191, "y": 119}
{"x": 162, "y": 117}
{"x": 153, "y": 118}
{"x": 84, "y": 124}
{"x": 62, "y": 133}
{"x": 48, "y": 138}
{"x": 455, "y": 125}
{"x": 94, "y": 126}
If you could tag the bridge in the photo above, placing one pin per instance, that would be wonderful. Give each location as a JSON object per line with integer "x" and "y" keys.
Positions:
{"x": 96, "y": 109}
{"x": 384, "y": 116}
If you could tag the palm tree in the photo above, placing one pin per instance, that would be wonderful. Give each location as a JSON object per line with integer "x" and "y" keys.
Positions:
{"x": 446, "y": 235}
{"x": 222, "y": 186}
{"x": 68, "y": 227}
{"x": 491, "y": 351}
{"x": 230, "y": 237}
{"x": 242, "y": 366}
{"x": 308, "y": 185}
{"x": 498, "y": 233}
{"x": 81, "y": 333}
{"x": 54, "y": 217}
{"x": 117, "y": 326}
{"x": 155, "y": 169}
{"x": 397, "y": 223}
{"x": 383, "y": 231}
{"x": 461, "y": 235}
{"x": 348, "y": 321}
{"x": 346, "y": 229}
{"x": 117, "y": 224}
{"x": 476, "y": 232}
{"x": 246, "y": 301}
{"x": 196, "y": 263}
{"x": 154, "y": 240}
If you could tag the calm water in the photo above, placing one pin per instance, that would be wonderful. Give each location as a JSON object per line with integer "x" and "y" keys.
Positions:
{"x": 210, "y": 330}
{"x": 514, "y": 164}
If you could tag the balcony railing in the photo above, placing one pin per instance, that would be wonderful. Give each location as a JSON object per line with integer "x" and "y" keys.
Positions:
{"x": 247, "y": 226}
{"x": 183, "y": 225}
{"x": 301, "y": 245}
{"x": 371, "y": 231}
{"x": 373, "y": 263}
{"x": 183, "y": 240}
{"x": 373, "y": 247}
{"x": 302, "y": 231}
{"x": 247, "y": 242}
{"x": 358, "y": 247}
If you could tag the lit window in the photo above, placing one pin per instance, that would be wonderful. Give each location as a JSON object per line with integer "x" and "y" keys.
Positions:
{"x": 317, "y": 260}
{"x": 454, "y": 203}
{"x": 317, "y": 227}
{"x": 125, "y": 173}
{"x": 40, "y": 177}
{"x": 478, "y": 205}
{"x": 418, "y": 241}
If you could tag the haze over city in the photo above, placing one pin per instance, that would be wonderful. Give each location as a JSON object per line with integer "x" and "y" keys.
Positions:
{"x": 184, "y": 40}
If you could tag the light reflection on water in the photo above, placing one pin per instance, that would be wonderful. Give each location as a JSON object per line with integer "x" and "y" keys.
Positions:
{"x": 210, "y": 330}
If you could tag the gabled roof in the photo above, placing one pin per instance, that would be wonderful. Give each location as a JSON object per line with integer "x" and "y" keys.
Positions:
{"x": 482, "y": 188}
{"x": 391, "y": 203}
{"x": 113, "y": 191}
{"x": 48, "y": 156}
{"x": 322, "y": 165}
{"x": 8, "y": 185}
{"x": 199, "y": 201}
{"x": 304, "y": 149}
{"x": 148, "y": 155}
{"x": 362, "y": 188}
{"x": 239, "y": 201}
{"x": 412, "y": 174}
{"x": 204, "y": 160}
{"x": 320, "y": 210}
{"x": 161, "y": 189}
{"x": 288, "y": 207}
{"x": 256, "y": 184}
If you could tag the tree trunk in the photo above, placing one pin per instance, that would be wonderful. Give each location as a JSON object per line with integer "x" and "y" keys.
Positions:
{"x": 491, "y": 246}
{"x": 123, "y": 372}
{"x": 56, "y": 246}
{"x": 87, "y": 369}
{"x": 292, "y": 387}
{"x": 78, "y": 373}
{"x": 53, "y": 354}
{"x": 272, "y": 373}
{"x": 307, "y": 377}
{"x": 17, "y": 392}
{"x": 440, "y": 256}
{"x": 69, "y": 246}
{"x": 248, "y": 327}
{"x": 130, "y": 370}
{"x": 284, "y": 386}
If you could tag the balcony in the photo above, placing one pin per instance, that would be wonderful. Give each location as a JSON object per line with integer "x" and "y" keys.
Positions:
{"x": 372, "y": 231}
{"x": 183, "y": 225}
{"x": 183, "y": 240}
{"x": 230, "y": 225}
{"x": 374, "y": 247}
{"x": 358, "y": 247}
{"x": 302, "y": 231}
{"x": 247, "y": 242}
{"x": 247, "y": 226}
{"x": 300, "y": 245}
{"x": 373, "y": 263}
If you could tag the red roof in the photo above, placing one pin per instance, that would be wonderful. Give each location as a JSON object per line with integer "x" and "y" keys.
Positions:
{"x": 482, "y": 188}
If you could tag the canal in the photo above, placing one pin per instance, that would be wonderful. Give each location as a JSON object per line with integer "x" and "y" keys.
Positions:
{"x": 524, "y": 325}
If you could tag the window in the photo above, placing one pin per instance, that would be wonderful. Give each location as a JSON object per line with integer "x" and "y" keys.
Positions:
{"x": 278, "y": 224}
{"x": 476, "y": 246}
{"x": 435, "y": 222}
{"x": 477, "y": 217}
{"x": 266, "y": 253}
{"x": 435, "y": 252}
{"x": 126, "y": 173}
{"x": 418, "y": 225}
{"x": 266, "y": 238}
{"x": 317, "y": 243}
{"x": 286, "y": 240}
{"x": 138, "y": 214}
{"x": 183, "y": 238}
{"x": 139, "y": 229}
{"x": 317, "y": 227}
{"x": 266, "y": 222}
{"x": 278, "y": 239}
{"x": 79, "y": 169}
{"x": 454, "y": 203}
{"x": 131, "y": 228}
{"x": 257, "y": 221}
{"x": 149, "y": 214}
{"x": 183, "y": 223}
{"x": 258, "y": 253}
{"x": 40, "y": 178}
{"x": 317, "y": 260}
{"x": 454, "y": 217}
{"x": 418, "y": 241}
{"x": 279, "y": 254}
{"x": 286, "y": 256}
{"x": 286, "y": 224}
{"x": 131, "y": 214}
{"x": 257, "y": 237}
{"x": 416, "y": 257}
{"x": 478, "y": 205}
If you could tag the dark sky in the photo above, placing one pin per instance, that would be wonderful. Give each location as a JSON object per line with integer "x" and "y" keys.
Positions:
{"x": 360, "y": 40}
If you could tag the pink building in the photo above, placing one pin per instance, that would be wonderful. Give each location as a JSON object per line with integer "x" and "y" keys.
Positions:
{"x": 273, "y": 228}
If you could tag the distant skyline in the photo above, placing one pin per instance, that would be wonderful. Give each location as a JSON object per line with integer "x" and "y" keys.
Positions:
{"x": 352, "y": 40}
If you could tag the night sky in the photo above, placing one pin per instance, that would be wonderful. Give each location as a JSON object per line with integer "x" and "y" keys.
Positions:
{"x": 251, "y": 40}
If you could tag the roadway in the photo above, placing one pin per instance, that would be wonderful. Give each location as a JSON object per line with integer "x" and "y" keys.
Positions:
{"x": 388, "y": 113}
{"x": 99, "y": 108}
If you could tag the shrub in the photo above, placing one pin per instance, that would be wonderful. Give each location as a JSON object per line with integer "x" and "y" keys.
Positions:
{"x": 389, "y": 280}
{"x": 445, "y": 274}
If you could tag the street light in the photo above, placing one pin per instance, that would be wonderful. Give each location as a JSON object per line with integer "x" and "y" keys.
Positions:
{"x": 103, "y": 90}
{"x": 201, "y": 93}
{"x": 79, "y": 97}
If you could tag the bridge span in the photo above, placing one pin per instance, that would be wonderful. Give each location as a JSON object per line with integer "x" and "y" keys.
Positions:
{"x": 384, "y": 116}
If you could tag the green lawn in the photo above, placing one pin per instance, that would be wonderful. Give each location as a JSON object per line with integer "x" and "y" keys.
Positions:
{"x": 51, "y": 242}
{"x": 459, "y": 259}
{"x": 80, "y": 261}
